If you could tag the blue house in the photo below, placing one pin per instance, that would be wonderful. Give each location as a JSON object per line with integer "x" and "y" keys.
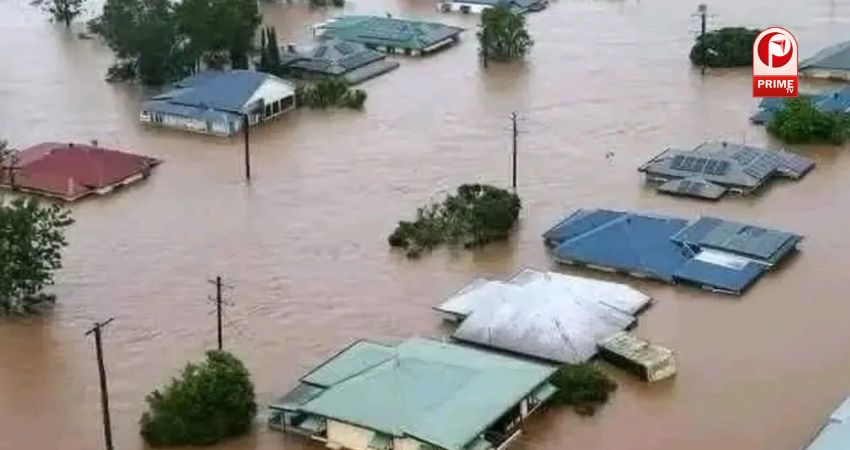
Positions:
{"x": 833, "y": 100}
{"x": 218, "y": 102}
{"x": 714, "y": 254}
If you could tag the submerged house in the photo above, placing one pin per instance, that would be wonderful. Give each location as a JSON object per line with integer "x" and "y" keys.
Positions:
{"x": 219, "y": 102}
{"x": 835, "y": 435}
{"x": 714, "y": 168}
{"x": 416, "y": 395}
{"x": 833, "y": 100}
{"x": 478, "y": 6}
{"x": 390, "y": 35}
{"x": 333, "y": 58}
{"x": 70, "y": 172}
{"x": 714, "y": 254}
{"x": 831, "y": 63}
{"x": 545, "y": 315}
{"x": 649, "y": 361}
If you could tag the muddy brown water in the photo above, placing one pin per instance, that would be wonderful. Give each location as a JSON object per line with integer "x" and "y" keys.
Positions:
{"x": 305, "y": 245}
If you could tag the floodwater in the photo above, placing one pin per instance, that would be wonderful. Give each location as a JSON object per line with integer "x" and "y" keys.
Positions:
{"x": 304, "y": 245}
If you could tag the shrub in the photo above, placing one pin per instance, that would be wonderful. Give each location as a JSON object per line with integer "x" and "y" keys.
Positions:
{"x": 582, "y": 386}
{"x": 502, "y": 35}
{"x": 210, "y": 401}
{"x": 799, "y": 121}
{"x": 476, "y": 215}
{"x": 355, "y": 99}
{"x": 726, "y": 47}
{"x": 330, "y": 92}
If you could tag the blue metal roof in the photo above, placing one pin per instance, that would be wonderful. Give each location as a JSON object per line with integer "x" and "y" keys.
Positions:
{"x": 711, "y": 253}
{"x": 226, "y": 91}
{"x": 832, "y": 100}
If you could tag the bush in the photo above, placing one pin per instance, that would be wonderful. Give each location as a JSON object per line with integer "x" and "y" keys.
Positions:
{"x": 582, "y": 386}
{"x": 726, "y": 47}
{"x": 210, "y": 401}
{"x": 476, "y": 215}
{"x": 330, "y": 92}
{"x": 799, "y": 121}
{"x": 502, "y": 35}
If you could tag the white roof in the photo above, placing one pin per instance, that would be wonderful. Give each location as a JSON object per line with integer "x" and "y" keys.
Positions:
{"x": 544, "y": 314}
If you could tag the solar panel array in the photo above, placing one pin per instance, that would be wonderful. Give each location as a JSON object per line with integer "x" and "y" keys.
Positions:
{"x": 688, "y": 187}
{"x": 797, "y": 164}
{"x": 695, "y": 164}
{"x": 344, "y": 48}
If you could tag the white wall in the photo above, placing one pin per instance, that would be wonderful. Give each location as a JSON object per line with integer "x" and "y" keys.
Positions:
{"x": 272, "y": 90}
{"x": 348, "y": 436}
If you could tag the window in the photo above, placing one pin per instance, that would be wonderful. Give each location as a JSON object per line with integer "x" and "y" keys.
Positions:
{"x": 276, "y": 107}
{"x": 268, "y": 110}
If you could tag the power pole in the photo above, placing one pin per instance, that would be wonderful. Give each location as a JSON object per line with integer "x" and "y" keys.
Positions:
{"x": 513, "y": 121}
{"x": 220, "y": 303}
{"x": 702, "y": 9}
{"x": 245, "y": 126}
{"x": 104, "y": 393}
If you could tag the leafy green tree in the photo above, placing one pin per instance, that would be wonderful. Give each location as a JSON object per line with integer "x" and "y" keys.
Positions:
{"x": 269, "y": 51}
{"x": 476, "y": 215}
{"x": 61, "y": 10}
{"x": 799, "y": 121}
{"x": 219, "y": 29}
{"x": 726, "y": 47}
{"x": 31, "y": 242}
{"x": 582, "y": 386}
{"x": 209, "y": 402}
{"x": 502, "y": 35}
{"x": 330, "y": 92}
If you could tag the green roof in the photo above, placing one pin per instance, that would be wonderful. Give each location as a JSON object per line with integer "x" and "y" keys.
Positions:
{"x": 387, "y": 31}
{"x": 439, "y": 393}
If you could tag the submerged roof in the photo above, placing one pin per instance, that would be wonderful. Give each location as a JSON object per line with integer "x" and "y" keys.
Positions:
{"x": 388, "y": 31}
{"x": 334, "y": 57}
{"x": 439, "y": 393}
{"x": 70, "y": 171}
{"x": 835, "y": 57}
{"x": 835, "y": 435}
{"x": 544, "y": 314}
{"x": 713, "y": 253}
{"x": 831, "y": 100}
{"x": 211, "y": 94}
{"x": 713, "y": 165}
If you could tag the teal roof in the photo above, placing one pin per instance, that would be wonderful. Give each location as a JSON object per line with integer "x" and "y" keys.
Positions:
{"x": 834, "y": 436}
{"x": 439, "y": 393}
{"x": 388, "y": 31}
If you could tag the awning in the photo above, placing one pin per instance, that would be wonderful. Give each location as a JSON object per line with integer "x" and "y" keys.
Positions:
{"x": 381, "y": 441}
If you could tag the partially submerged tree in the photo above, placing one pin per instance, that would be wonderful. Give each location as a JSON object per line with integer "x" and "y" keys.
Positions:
{"x": 31, "y": 241}
{"x": 209, "y": 402}
{"x": 328, "y": 93}
{"x": 799, "y": 121}
{"x": 476, "y": 215}
{"x": 61, "y": 10}
{"x": 726, "y": 47}
{"x": 502, "y": 35}
{"x": 219, "y": 29}
{"x": 269, "y": 51}
{"x": 582, "y": 386}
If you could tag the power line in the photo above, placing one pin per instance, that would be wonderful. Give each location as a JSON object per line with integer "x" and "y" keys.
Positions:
{"x": 97, "y": 329}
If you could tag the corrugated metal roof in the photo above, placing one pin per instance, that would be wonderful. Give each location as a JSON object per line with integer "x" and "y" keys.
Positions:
{"x": 831, "y": 100}
{"x": 544, "y": 314}
{"x": 712, "y": 253}
{"x": 836, "y": 434}
{"x": 440, "y": 393}
{"x": 724, "y": 164}
{"x": 332, "y": 57}
{"x": 388, "y": 31}
{"x": 833, "y": 57}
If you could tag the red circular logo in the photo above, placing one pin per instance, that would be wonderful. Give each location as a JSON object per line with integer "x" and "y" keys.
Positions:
{"x": 775, "y": 49}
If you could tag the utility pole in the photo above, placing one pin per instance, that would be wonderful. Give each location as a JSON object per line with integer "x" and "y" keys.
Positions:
{"x": 104, "y": 393}
{"x": 245, "y": 126}
{"x": 702, "y": 10}
{"x": 513, "y": 121}
{"x": 220, "y": 303}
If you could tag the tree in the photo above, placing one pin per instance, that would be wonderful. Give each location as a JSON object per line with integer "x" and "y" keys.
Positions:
{"x": 476, "y": 215}
{"x": 269, "y": 51}
{"x": 502, "y": 35}
{"x": 61, "y": 10}
{"x": 799, "y": 121}
{"x": 726, "y": 47}
{"x": 210, "y": 402}
{"x": 582, "y": 386}
{"x": 330, "y": 92}
{"x": 219, "y": 30}
{"x": 31, "y": 242}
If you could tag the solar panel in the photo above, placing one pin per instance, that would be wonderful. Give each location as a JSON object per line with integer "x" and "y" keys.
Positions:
{"x": 677, "y": 162}
{"x": 710, "y": 166}
{"x": 717, "y": 167}
{"x": 699, "y": 164}
{"x": 344, "y": 48}
{"x": 320, "y": 52}
{"x": 723, "y": 167}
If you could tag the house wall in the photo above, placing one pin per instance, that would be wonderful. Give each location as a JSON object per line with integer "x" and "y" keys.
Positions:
{"x": 468, "y": 8}
{"x": 273, "y": 90}
{"x": 221, "y": 128}
{"x": 348, "y": 436}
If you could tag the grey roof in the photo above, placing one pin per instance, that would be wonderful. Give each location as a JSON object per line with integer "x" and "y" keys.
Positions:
{"x": 723, "y": 164}
{"x": 712, "y": 253}
{"x": 835, "y": 435}
{"x": 520, "y": 6}
{"x": 835, "y": 57}
{"x": 693, "y": 187}
{"x": 546, "y": 315}
{"x": 388, "y": 31}
{"x": 213, "y": 94}
{"x": 331, "y": 57}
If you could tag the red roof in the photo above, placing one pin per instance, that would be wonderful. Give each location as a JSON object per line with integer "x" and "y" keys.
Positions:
{"x": 71, "y": 171}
